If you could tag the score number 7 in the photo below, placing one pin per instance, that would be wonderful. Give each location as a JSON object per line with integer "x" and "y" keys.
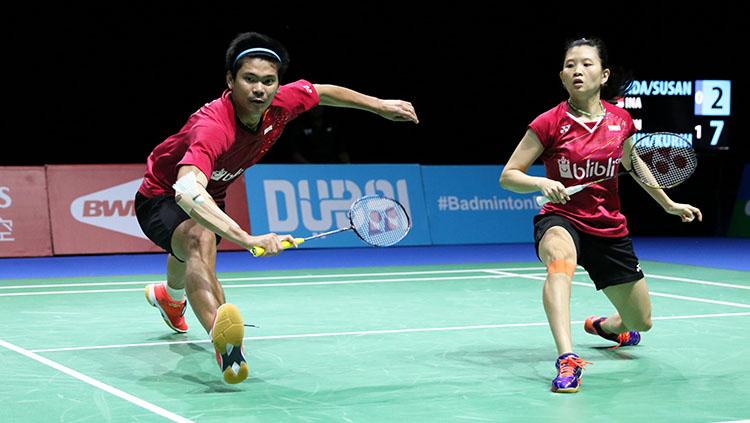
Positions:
{"x": 718, "y": 124}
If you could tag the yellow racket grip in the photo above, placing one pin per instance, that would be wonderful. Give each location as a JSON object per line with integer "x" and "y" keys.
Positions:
{"x": 259, "y": 251}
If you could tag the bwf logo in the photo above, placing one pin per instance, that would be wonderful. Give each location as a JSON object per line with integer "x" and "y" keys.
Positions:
{"x": 112, "y": 208}
{"x": 287, "y": 205}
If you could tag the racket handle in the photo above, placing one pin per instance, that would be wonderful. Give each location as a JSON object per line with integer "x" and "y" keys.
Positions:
{"x": 542, "y": 200}
{"x": 259, "y": 251}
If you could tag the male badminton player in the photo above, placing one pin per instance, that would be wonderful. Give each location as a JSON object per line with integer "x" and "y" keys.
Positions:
{"x": 180, "y": 203}
{"x": 580, "y": 140}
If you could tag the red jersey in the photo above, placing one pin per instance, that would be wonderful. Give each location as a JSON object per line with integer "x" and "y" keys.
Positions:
{"x": 216, "y": 142}
{"x": 577, "y": 152}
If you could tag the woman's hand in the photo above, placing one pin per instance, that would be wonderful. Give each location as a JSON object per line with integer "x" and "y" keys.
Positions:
{"x": 554, "y": 190}
{"x": 686, "y": 212}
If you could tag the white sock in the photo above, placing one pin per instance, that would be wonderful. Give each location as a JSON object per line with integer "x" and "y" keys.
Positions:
{"x": 176, "y": 294}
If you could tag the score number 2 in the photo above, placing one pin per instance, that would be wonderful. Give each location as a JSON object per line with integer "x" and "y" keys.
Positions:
{"x": 712, "y": 98}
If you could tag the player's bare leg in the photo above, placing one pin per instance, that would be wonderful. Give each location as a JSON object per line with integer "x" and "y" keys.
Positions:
{"x": 556, "y": 245}
{"x": 169, "y": 297}
{"x": 175, "y": 273}
{"x": 206, "y": 296}
{"x": 633, "y": 306}
{"x": 557, "y": 251}
{"x": 196, "y": 245}
{"x": 633, "y": 314}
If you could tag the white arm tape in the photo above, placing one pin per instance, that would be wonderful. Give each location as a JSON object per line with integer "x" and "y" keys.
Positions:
{"x": 188, "y": 187}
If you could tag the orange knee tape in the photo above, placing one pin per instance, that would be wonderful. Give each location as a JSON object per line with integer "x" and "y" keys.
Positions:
{"x": 561, "y": 266}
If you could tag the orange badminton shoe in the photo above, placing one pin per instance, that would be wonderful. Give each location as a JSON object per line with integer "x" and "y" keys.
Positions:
{"x": 173, "y": 312}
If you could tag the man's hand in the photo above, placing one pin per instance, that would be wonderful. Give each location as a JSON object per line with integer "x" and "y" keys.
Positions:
{"x": 398, "y": 110}
{"x": 271, "y": 243}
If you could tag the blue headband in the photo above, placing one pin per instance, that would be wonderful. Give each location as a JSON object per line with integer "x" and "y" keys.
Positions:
{"x": 259, "y": 51}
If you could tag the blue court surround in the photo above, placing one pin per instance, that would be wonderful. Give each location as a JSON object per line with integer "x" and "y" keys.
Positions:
{"x": 724, "y": 253}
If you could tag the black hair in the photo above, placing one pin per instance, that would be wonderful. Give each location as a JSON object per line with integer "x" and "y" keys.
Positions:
{"x": 248, "y": 40}
{"x": 619, "y": 79}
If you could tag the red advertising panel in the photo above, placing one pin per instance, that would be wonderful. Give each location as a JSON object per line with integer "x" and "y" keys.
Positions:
{"x": 24, "y": 216}
{"x": 92, "y": 210}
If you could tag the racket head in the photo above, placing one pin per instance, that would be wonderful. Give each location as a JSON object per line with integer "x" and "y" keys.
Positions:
{"x": 663, "y": 159}
{"x": 379, "y": 221}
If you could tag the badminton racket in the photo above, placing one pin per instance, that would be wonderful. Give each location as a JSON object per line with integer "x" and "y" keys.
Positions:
{"x": 377, "y": 220}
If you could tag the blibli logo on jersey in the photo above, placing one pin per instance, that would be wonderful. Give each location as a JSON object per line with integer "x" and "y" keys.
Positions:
{"x": 328, "y": 209}
{"x": 590, "y": 169}
{"x": 224, "y": 175}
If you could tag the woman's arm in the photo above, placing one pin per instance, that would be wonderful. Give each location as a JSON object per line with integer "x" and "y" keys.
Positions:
{"x": 686, "y": 212}
{"x": 514, "y": 177}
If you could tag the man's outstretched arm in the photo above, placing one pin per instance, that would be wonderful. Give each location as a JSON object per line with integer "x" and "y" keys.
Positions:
{"x": 396, "y": 110}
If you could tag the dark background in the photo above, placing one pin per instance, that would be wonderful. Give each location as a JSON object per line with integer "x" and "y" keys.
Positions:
{"x": 105, "y": 84}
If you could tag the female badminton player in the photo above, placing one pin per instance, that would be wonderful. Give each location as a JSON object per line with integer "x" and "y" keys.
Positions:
{"x": 582, "y": 139}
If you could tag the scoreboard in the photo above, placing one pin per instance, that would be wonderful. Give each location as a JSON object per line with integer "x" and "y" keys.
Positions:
{"x": 700, "y": 110}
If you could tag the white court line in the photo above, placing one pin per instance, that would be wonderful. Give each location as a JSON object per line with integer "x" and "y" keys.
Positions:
{"x": 498, "y": 272}
{"x": 369, "y": 332}
{"x": 343, "y": 275}
{"x": 95, "y": 383}
{"x": 266, "y": 285}
{"x": 671, "y": 278}
{"x": 697, "y": 281}
{"x": 655, "y": 294}
{"x": 266, "y": 278}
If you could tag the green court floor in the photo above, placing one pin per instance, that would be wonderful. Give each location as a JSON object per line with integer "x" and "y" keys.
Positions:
{"x": 412, "y": 344}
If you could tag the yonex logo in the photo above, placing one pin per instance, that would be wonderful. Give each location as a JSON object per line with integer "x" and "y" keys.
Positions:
{"x": 112, "y": 208}
{"x": 380, "y": 222}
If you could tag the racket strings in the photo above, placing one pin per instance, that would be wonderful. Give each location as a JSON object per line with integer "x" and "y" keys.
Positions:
{"x": 379, "y": 221}
{"x": 664, "y": 161}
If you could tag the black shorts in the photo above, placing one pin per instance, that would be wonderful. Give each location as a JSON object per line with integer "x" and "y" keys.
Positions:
{"x": 159, "y": 217}
{"x": 608, "y": 261}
